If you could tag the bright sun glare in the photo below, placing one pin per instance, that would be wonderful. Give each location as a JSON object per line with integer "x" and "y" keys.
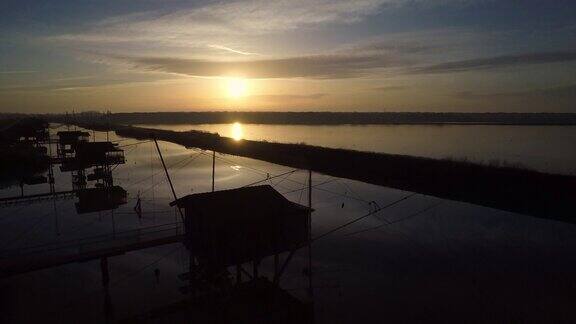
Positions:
{"x": 237, "y": 132}
{"x": 237, "y": 88}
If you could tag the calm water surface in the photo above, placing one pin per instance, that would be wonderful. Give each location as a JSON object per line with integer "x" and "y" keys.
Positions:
{"x": 422, "y": 259}
{"x": 545, "y": 148}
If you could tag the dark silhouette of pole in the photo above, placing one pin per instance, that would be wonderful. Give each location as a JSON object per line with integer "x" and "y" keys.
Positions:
{"x": 213, "y": 168}
{"x": 168, "y": 177}
{"x": 108, "y": 310}
{"x": 113, "y": 224}
{"x": 108, "y": 128}
{"x": 310, "y": 290}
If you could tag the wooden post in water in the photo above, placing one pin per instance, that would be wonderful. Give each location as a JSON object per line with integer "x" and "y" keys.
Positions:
{"x": 213, "y": 168}
{"x": 106, "y": 284}
{"x": 254, "y": 269}
{"x": 276, "y": 263}
{"x": 168, "y": 177}
{"x": 108, "y": 128}
{"x": 310, "y": 290}
{"x": 113, "y": 224}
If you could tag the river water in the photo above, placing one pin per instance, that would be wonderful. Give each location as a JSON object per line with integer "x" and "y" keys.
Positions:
{"x": 544, "y": 148}
{"x": 423, "y": 259}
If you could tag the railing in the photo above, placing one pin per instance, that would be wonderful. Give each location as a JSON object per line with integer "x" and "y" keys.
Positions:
{"x": 100, "y": 241}
{"x": 23, "y": 200}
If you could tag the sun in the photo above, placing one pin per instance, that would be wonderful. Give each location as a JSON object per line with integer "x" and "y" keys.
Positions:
{"x": 237, "y": 88}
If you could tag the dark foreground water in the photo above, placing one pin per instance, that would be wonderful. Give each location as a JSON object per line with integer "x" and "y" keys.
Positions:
{"x": 425, "y": 259}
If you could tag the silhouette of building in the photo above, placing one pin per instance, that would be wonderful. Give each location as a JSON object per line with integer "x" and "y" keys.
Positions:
{"x": 231, "y": 227}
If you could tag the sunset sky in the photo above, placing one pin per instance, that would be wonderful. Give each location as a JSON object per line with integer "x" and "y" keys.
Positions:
{"x": 340, "y": 55}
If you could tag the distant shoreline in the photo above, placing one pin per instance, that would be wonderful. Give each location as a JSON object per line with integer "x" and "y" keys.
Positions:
{"x": 360, "y": 124}
{"x": 324, "y": 118}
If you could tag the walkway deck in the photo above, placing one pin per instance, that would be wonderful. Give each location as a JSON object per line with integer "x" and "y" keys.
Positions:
{"x": 28, "y": 199}
{"x": 19, "y": 261}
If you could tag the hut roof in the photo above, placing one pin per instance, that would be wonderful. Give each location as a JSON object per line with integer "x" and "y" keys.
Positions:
{"x": 72, "y": 134}
{"x": 97, "y": 147}
{"x": 234, "y": 226}
{"x": 242, "y": 203}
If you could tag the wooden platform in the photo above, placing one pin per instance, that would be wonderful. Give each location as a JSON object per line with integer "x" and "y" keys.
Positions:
{"x": 14, "y": 262}
{"x": 17, "y": 200}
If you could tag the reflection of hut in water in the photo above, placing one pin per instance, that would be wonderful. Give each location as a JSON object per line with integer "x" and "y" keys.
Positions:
{"x": 101, "y": 155}
{"x": 90, "y": 154}
{"x": 68, "y": 140}
{"x": 231, "y": 227}
{"x": 35, "y": 179}
{"x": 99, "y": 199}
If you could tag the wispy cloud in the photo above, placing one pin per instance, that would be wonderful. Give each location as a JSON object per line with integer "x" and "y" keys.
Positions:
{"x": 314, "y": 66}
{"x": 567, "y": 92}
{"x": 389, "y": 88}
{"x": 201, "y": 24}
{"x": 18, "y": 72}
{"x": 56, "y": 87}
{"x": 228, "y": 49}
{"x": 334, "y": 66}
{"x": 284, "y": 98}
{"x": 497, "y": 62}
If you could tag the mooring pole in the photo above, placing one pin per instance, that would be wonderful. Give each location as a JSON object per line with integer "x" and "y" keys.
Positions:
{"x": 108, "y": 312}
{"x": 108, "y": 128}
{"x": 213, "y": 168}
{"x": 56, "y": 217}
{"x": 255, "y": 269}
{"x": 310, "y": 290}
{"x": 276, "y": 263}
{"x": 104, "y": 270}
{"x": 168, "y": 177}
{"x": 113, "y": 224}
{"x": 238, "y": 274}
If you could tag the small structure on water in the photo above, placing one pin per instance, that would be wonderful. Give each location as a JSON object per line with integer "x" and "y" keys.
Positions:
{"x": 69, "y": 140}
{"x": 22, "y": 156}
{"x": 29, "y": 130}
{"x": 94, "y": 154}
{"x": 231, "y": 227}
{"x": 234, "y": 227}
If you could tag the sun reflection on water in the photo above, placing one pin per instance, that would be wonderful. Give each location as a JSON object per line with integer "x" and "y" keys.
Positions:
{"x": 237, "y": 131}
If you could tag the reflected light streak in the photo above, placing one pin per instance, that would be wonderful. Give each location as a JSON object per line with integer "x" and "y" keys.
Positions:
{"x": 237, "y": 131}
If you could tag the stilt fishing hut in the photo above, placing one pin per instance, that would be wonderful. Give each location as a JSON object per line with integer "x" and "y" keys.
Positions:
{"x": 28, "y": 130}
{"x": 69, "y": 140}
{"x": 231, "y": 228}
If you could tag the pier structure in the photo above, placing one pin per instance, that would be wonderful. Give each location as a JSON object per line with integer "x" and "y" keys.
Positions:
{"x": 69, "y": 140}
{"x": 87, "y": 161}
